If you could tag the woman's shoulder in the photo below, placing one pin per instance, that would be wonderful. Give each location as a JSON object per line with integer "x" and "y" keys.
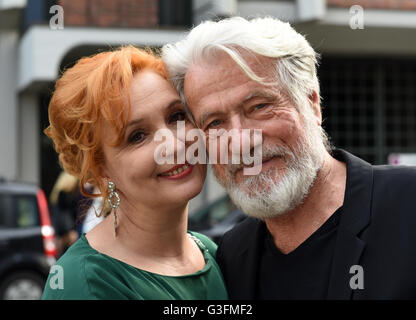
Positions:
{"x": 82, "y": 273}
{"x": 66, "y": 278}
{"x": 206, "y": 241}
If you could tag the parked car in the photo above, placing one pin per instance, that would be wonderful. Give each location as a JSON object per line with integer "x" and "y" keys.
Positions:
{"x": 216, "y": 218}
{"x": 27, "y": 241}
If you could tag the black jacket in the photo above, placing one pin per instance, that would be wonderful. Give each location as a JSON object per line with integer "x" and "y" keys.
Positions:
{"x": 377, "y": 231}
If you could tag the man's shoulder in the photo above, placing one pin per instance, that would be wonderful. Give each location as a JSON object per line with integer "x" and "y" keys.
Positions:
{"x": 393, "y": 173}
{"x": 384, "y": 179}
{"x": 400, "y": 180}
{"x": 397, "y": 172}
{"x": 394, "y": 191}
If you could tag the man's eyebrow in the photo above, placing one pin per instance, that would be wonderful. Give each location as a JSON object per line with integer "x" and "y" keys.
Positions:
{"x": 259, "y": 94}
{"x": 252, "y": 95}
{"x": 206, "y": 115}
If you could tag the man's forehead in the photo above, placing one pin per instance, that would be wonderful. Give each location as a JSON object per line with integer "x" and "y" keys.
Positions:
{"x": 204, "y": 72}
{"x": 215, "y": 76}
{"x": 221, "y": 61}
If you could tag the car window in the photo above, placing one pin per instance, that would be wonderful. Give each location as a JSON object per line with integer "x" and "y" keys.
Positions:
{"x": 26, "y": 211}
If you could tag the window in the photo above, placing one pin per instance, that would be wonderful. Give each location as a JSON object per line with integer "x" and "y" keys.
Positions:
{"x": 369, "y": 105}
{"x": 27, "y": 214}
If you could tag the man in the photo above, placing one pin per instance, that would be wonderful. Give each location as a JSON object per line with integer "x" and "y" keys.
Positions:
{"x": 323, "y": 223}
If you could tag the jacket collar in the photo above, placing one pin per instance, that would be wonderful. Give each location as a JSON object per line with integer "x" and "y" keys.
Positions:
{"x": 355, "y": 217}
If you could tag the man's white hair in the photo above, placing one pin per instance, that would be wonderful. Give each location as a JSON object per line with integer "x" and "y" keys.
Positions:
{"x": 295, "y": 74}
{"x": 269, "y": 37}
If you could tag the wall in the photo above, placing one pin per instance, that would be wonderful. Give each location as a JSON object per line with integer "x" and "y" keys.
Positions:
{"x": 104, "y": 13}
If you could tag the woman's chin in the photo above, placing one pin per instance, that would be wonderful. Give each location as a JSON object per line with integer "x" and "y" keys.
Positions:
{"x": 181, "y": 193}
{"x": 190, "y": 192}
{"x": 182, "y": 190}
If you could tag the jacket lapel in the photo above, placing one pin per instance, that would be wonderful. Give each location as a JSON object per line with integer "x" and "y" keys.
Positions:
{"x": 356, "y": 213}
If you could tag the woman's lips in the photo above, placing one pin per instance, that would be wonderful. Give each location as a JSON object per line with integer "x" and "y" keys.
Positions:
{"x": 177, "y": 172}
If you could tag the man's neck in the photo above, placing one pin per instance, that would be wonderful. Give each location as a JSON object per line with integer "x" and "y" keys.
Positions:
{"x": 325, "y": 196}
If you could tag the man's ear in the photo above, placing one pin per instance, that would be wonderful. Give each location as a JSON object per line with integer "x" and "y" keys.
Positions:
{"x": 316, "y": 106}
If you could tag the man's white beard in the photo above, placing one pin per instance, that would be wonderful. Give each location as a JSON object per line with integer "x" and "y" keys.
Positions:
{"x": 273, "y": 193}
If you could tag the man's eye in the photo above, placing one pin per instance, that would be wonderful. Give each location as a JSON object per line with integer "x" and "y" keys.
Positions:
{"x": 214, "y": 123}
{"x": 177, "y": 116}
{"x": 260, "y": 106}
{"x": 136, "y": 137}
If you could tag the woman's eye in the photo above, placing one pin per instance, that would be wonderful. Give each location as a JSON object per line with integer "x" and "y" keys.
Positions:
{"x": 178, "y": 116}
{"x": 136, "y": 137}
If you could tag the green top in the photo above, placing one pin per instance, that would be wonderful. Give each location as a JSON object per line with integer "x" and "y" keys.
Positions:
{"x": 83, "y": 273}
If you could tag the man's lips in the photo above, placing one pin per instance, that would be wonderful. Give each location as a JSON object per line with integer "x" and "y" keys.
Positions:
{"x": 269, "y": 159}
{"x": 264, "y": 161}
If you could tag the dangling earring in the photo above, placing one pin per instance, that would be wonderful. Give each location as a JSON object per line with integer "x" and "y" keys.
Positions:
{"x": 113, "y": 201}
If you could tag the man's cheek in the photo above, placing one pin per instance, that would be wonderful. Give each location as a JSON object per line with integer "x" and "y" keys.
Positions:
{"x": 220, "y": 172}
{"x": 281, "y": 127}
{"x": 219, "y": 169}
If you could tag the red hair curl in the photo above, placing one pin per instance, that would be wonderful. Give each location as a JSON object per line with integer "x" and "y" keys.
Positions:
{"x": 96, "y": 88}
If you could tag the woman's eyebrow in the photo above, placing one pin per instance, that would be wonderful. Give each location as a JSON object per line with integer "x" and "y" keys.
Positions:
{"x": 174, "y": 103}
{"x": 134, "y": 122}
{"x": 139, "y": 120}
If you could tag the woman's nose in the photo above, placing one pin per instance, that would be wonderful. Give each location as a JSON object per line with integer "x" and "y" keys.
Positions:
{"x": 179, "y": 147}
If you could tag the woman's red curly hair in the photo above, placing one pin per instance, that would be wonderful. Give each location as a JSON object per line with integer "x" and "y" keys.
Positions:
{"x": 96, "y": 88}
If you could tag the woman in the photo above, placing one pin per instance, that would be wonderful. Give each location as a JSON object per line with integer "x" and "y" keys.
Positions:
{"x": 103, "y": 115}
{"x": 63, "y": 205}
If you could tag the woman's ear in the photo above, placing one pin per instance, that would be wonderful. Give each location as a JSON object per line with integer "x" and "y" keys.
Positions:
{"x": 316, "y": 106}
{"x": 104, "y": 177}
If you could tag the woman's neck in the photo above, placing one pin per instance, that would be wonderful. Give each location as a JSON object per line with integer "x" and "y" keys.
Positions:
{"x": 153, "y": 231}
{"x": 146, "y": 232}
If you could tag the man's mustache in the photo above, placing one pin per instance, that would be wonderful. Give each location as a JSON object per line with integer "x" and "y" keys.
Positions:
{"x": 268, "y": 152}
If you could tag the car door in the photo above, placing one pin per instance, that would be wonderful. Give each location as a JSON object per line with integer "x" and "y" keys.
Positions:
{"x": 6, "y": 222}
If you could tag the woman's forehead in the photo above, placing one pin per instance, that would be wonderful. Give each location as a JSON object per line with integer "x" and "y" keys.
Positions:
{"x": 150, "y": 89}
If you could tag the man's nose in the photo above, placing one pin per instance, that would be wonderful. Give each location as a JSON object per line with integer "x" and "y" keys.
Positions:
{"x": 236, "y": 122}
{"x": 239, "y": 138}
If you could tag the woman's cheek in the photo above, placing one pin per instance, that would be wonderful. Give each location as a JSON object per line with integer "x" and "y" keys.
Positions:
{"x": 203, "y": 170}
{"x": 142, "y": 162}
